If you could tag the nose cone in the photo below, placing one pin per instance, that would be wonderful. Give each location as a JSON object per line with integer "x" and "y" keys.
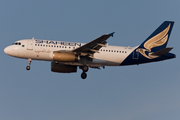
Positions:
{"x": 9, "y": 50}
{"x": 6, "y": 50}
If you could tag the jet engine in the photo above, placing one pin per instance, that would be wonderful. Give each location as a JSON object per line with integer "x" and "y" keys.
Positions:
{"x": 56, "y": 67}
{"x": 65, "y": 57}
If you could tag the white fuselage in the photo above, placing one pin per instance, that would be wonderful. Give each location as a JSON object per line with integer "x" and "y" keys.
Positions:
{"x": 67, "y": 56}
{"x": 43, "y": 50}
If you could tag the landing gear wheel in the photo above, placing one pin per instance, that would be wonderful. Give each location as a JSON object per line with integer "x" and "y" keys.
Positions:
{"x": 83, "y": 75}
{"x": 28, "y": 68}
{"x": 85, "y": 68}
{"x": 29, "y": 63}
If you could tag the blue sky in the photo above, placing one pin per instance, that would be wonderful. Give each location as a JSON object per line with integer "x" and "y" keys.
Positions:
{"x": 148, "y": 91}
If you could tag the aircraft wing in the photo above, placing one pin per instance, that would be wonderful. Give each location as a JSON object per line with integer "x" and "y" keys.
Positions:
{"x": 92, "y": 47}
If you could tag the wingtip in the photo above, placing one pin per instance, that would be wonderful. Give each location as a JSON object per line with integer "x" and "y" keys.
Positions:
{"x": 112, "y": 34}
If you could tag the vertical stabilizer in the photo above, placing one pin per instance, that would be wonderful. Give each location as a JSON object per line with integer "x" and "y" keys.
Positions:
{"x": 154, "y": 47}
{"x": 159, "y": 38}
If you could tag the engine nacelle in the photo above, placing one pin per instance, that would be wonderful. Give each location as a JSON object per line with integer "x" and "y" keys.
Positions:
{"x": 65, "y": 57}
{"x": 56, "y": 67}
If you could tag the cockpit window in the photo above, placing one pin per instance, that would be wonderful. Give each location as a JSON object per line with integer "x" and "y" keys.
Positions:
{"x": 17, "y": 43}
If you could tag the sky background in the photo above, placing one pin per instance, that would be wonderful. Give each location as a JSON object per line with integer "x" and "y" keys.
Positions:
{"x": 144, "y": 92}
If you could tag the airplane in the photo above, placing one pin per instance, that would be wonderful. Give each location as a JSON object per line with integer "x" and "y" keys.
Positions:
{"x": 66, "y": 57}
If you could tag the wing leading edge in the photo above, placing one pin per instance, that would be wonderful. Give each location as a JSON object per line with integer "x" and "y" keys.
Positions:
{"x": 93, "y": 47}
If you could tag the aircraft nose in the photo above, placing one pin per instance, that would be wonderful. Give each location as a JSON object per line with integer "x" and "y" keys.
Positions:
{"x": 7, "y": 50}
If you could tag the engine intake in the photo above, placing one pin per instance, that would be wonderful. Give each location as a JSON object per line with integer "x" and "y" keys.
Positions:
{"x": 56, "y": 67}
{"x": 65, "y": 57}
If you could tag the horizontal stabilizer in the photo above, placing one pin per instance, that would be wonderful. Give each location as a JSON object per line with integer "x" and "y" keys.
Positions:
{"x": 162, "y": 51}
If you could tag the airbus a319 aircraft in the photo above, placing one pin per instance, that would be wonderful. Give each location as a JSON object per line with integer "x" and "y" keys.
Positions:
{"x": 66, "y": 57}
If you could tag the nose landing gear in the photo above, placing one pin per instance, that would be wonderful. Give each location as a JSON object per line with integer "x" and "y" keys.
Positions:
{"x": 29, "y": 63}
{"x": 84, "y": 69}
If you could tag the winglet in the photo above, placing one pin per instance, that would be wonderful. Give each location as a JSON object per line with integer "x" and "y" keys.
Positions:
{"x": 111, "y": 34}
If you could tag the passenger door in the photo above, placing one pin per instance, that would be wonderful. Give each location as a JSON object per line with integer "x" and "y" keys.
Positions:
{"x": 30, "y": 45}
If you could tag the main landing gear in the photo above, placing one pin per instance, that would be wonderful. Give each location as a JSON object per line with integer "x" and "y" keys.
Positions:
{"x": 84, "y": 69}
{"x": 29, "y": 63}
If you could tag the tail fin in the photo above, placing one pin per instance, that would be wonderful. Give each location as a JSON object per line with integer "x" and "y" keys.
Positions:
{"x": 154, "y": 47}
{"x": 159, "y": 38}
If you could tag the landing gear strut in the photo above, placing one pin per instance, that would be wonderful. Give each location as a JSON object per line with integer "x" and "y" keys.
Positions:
{"x": 84, "y": 69}
{"x": 29, "y": 63}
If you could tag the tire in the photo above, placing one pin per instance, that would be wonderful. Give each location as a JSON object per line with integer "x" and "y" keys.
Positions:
{"x": 85, "y": 68}
{"x": 28, "y": 68}
{"x": 83, "y": 75}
